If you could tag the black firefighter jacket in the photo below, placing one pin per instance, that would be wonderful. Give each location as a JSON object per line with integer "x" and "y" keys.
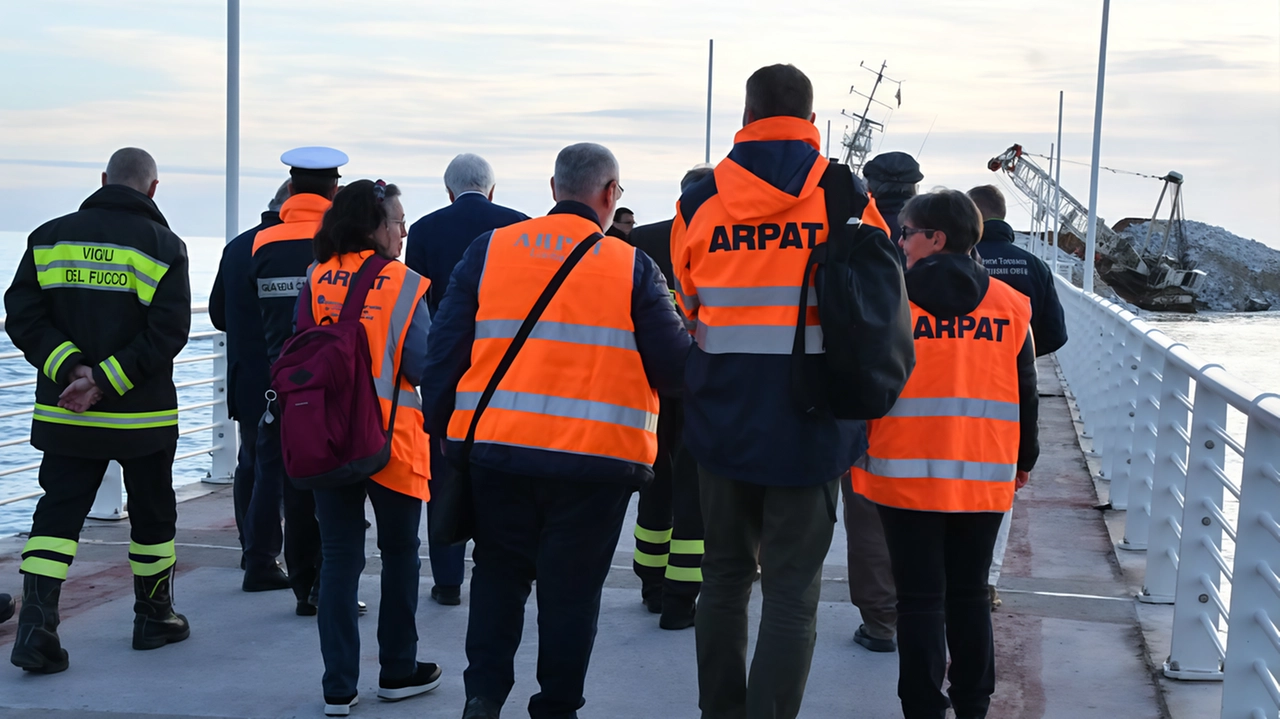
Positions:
{"x": 106, "y": 287}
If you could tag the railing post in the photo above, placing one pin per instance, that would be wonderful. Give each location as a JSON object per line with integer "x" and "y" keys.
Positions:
{"x": 1253, "y": 643}
{"x": 109, "y": 503}
{"x": 1145, "y": 430}
{"x": 1168, "y": 482}
{"x": 1193, "y": 654}
{"x": 1124, "y": 410}
{"x": 224, "y": 442}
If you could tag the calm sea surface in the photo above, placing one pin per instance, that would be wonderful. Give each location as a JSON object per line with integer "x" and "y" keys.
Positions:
{"x": 1247, "y": 345}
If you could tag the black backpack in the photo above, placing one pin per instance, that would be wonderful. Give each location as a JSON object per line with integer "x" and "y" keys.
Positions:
{"x": 863, "y": 309}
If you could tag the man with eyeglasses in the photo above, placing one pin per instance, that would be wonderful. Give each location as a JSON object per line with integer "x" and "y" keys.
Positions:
{"x": 570, "y": 435}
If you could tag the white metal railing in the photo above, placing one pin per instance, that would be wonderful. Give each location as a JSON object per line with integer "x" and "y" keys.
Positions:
{"x": 1158, "y": 417}
{"x": 222, "y": 449}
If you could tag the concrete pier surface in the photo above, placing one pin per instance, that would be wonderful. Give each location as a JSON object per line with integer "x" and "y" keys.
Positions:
{"x": 1068, "y": 639}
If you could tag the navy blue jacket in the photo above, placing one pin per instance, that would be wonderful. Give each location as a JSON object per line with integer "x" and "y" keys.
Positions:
{"x": 660, "y": 336}
{"x": 437, "y": 241}
{"x": 742, "y": 420}
{"x": 233, "y": 308}
{"x": 1029, "y": 275}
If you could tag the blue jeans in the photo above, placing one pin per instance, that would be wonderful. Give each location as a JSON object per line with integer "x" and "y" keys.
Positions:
{"x": 447, "y": 561}
{"x": 342, "y": 530}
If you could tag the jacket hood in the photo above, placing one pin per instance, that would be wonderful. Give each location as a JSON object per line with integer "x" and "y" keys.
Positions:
{"x": 997, "y": 231}
{"x": 124, "y": 199}
{"x": 892, "y": 175}
{"x": 774, "y": 165}
{"x": 947, "y": 284}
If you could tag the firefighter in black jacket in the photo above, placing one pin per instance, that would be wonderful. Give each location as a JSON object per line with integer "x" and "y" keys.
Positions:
{"x": 100, "y": 305}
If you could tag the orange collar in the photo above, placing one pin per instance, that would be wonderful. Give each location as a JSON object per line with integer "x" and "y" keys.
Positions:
{"x": 780, "y": 128}
{"x": 304, "y": 208}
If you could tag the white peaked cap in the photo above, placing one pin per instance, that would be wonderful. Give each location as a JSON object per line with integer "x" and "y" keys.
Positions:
{"x": 314, "y": 158}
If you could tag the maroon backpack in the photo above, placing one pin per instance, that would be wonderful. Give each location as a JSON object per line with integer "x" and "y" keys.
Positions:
{"x": 330, "y": 421}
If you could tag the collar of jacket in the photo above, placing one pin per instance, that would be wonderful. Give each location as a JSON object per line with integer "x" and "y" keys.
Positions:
{"x": 779, "y": 128}
{"x": 573, "y": 207}
{"x": 124, "y": 199}
{"x": 947, "y": 284}
{"x": 304, "y": 208}
{"x": 996, "y": 231}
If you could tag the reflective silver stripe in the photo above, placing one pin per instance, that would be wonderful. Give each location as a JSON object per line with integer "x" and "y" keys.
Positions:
{"x": 559, "y": 332}
{"x": 54, "y": 362}
{"x": 105, "y": 245}
{"x": 280, "y": 286}
{"x": 408, "y": 397}
{"x": 954, "y": 407}
{"x": 546, "y": 449}
{"x": 400, "y": 316}
{"x": 938, "y": 469}
{"x": 141, "y": 277}
{"x": 105, "y": 419}
{"x": 786, "y": 296}
{"x": 691, "y": 302}
{"x": 756, "y": 339}
{"x": 563, "y": 407}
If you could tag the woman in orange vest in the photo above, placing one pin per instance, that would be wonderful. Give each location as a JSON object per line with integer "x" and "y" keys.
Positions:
{"x": 944, "y": 463}
{"x": 366, "y": 217}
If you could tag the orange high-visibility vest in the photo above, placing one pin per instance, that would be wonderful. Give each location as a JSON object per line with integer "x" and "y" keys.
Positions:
{"x": 739, "y": 276}
{"x": 950, "y": 443}
{"x": 578, "y": 385}
{"x": 388, "y": 311}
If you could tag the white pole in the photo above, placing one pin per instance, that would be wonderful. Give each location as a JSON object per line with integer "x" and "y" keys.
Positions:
{"x": 1048, "y": 195}
{"x": 233, "y": 119}
{"x": 711, "y": 52}
{"x": 1057, "y": 190}
{"x": 1091, "y": 239}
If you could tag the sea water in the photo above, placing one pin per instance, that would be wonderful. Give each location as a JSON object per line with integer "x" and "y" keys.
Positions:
{"x": 1245, "y": 344}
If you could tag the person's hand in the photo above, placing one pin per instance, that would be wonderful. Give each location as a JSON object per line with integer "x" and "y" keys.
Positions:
{"x": 82, "y": 393}
{"x": 1020, "y": 480}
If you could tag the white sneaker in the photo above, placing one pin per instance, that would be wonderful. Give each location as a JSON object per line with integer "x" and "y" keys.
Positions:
{"x": 339, "y": 706}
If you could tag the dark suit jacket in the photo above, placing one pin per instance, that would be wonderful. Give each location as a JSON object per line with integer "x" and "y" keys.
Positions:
{"x": 655, "y": 240}
{"x": 233, "y": 308}
{"x": 436, "y": 242}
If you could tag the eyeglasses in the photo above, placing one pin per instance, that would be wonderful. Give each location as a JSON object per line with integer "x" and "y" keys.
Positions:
{"x": 615, "y": 182}
{"x": 909, "y": 231}
{"x": 403, "y": 226}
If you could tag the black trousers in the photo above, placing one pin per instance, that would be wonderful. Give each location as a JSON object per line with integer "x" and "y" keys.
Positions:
{"x": 940, "y": 563}
{"x": 242, "y": 484}
{"x": 563, "y": 534}
{"x": 668, "y": 557}
{"x": 301, "y": 531}
{"x": 71, "y": 484}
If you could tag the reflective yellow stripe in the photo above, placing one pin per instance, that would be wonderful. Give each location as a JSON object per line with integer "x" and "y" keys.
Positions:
{"x": 150, "y": 569}
{"x": 57, "y": 357}
{"x": 107, "y": 420}
{"x": 687, "y": 546}
{"x": 115, "y": 373}
{"x": 51, "y": 544}
{"x": 653, "y": 536}
{"x": 152, "y": 550}
{"x": 98, "y": 266}
{"x": 650, "y": 560}
{"x": 684, "y": 574}
{"x": 44, "y": 567}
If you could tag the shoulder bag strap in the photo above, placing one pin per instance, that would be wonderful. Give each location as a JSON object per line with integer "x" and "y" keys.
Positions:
{"x": 521, "y": 335}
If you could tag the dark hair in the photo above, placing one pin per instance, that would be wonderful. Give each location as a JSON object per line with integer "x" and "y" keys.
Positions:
{"x": 950, "y": 211}
{"x": 618, "y": 213}
{"x": 349, "y": 224}
{"x": 311, "y": 183}
{"x": 779, "y": 91}
{"x": 990, "y": 201}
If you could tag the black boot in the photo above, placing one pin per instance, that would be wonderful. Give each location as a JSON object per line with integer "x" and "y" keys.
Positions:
{"x": 37, "y": 647}
{"x": 154, "y": 622}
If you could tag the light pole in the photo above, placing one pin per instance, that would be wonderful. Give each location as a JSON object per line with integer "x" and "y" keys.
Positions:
{"x": 1091, "y": 240}
{"x": 233, "y": 119}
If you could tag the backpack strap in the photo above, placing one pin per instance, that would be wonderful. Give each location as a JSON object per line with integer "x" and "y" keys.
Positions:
{"x": 521, "y": 335}
{"x": 361, "y": 282}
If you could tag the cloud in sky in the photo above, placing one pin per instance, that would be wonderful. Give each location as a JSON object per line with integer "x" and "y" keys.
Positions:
{"x": 405, "y": 87}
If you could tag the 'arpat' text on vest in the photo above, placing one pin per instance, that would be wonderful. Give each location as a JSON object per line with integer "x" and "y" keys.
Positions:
{"x": 758, "y": 237}
{"x": 977, "y": 328}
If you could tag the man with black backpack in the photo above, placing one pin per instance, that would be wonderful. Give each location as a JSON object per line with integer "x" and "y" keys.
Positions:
{"x": 769, "y": 378}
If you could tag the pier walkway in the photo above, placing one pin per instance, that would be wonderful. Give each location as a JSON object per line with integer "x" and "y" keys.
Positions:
{"x": 1068, "y": 640}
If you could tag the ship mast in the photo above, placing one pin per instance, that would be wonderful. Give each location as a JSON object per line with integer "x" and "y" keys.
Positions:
{"x": 859, "y": 143}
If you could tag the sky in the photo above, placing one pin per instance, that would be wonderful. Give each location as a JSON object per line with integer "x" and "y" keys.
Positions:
{"x": 404, "y": 86}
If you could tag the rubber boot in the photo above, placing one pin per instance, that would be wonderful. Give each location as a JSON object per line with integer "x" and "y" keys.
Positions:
{"x": 154, "y": 623}
{"x": 37, "y": 647}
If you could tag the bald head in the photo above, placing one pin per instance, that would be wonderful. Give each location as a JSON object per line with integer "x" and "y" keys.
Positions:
{"x": 134, "y": 168}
